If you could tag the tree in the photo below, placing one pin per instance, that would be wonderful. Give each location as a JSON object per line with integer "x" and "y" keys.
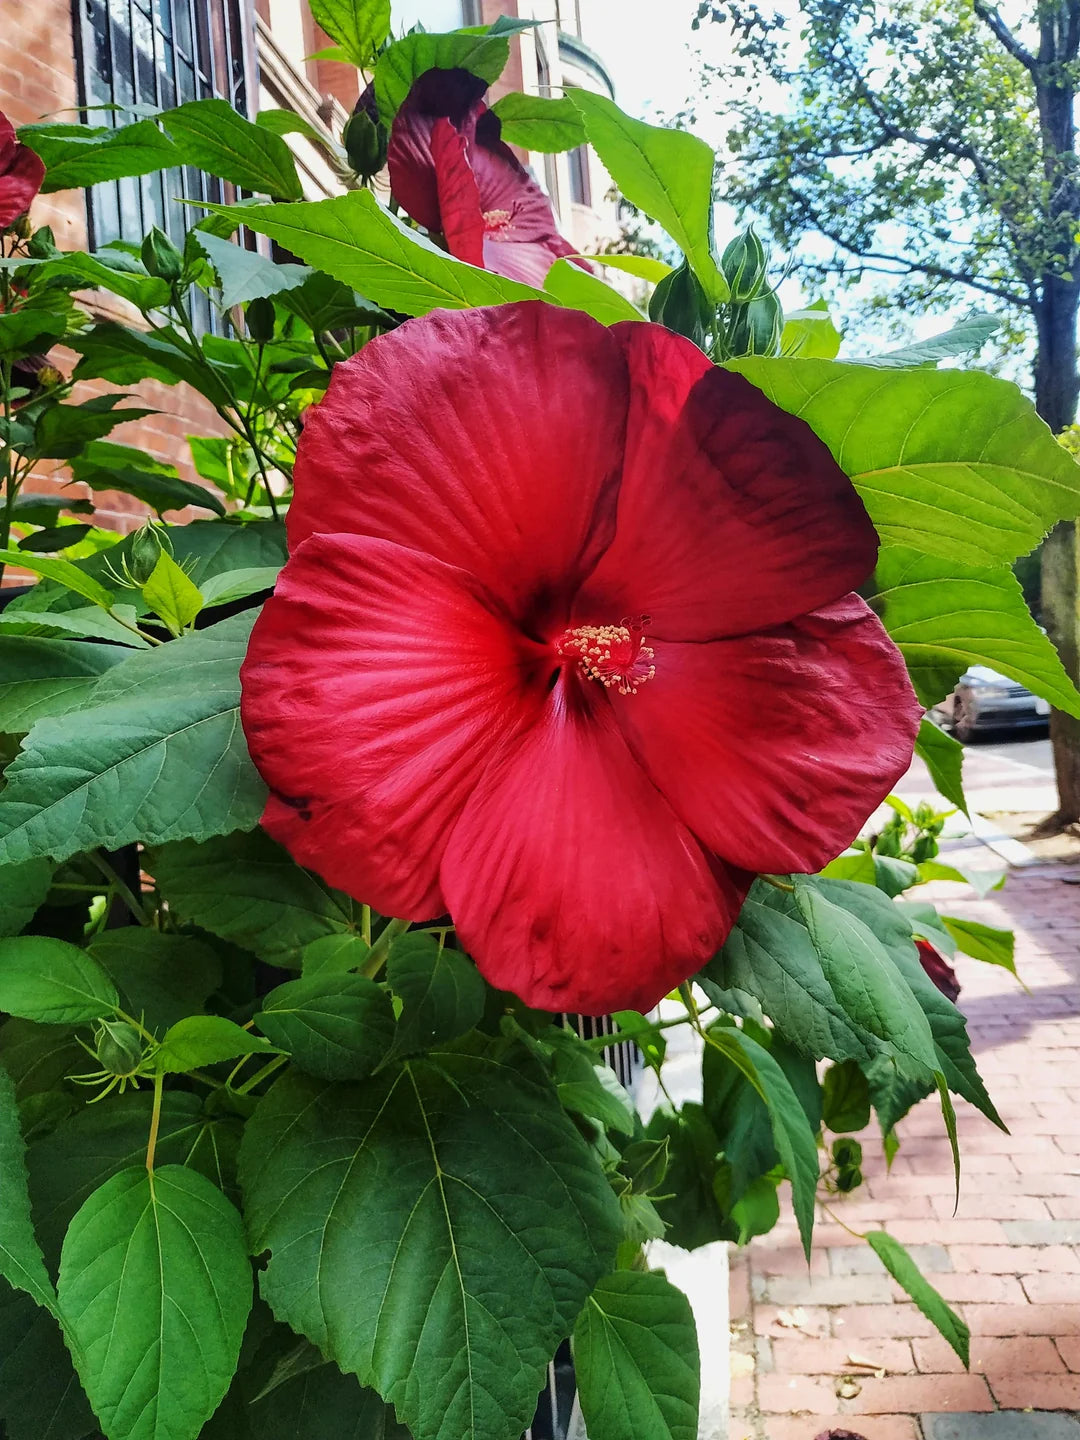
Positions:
{"x": 933, "y": 142}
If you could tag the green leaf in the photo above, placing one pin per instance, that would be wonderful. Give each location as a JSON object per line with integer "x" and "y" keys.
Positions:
{"x": 161, "y": 977}
{"x": 981, "y": 881}
{"x": 757, "y": 1210}
{"x": 64, "y": 572}
{"x": 63, "y": 430}
{"x": 894, "y": 875}
{"x": 132, "y": 282}
{"x": 59, "y": 537}
{"x": 944, "y": 758}
{"x": 575, "y": 287}
{"x": 482, "y": 53}
{"x": 694, "y": 1205}
{"x": 666, "y": 173}
{"x": 944, "y": 617}
{"x": 120, "y": 769}
{"x": 245, "y": 274}
{"x": 21, "y": 1262}
{"x": 359, "y": 26}
{"x": 357, "y": 241}
{"x": 636, "y": 1359}
{"x": 336, "y": 1027}
{"x": 234, "y": 585}
{"x": 852, "y": 865}
{"x": 47, "y": 677}
{"x": 643, "y": 266}
{"x": 952, "y": 463}
{"x": 535, "y": 122}
{"x": 88, "y": 622}
{"x": 449, "y": 1202}
{"x": 23, "y": 331}
{"x": 104, "y": 465}
{"x": 171, "y": 595}
{"x": 907, "y": 1275}
{"x": 965, "y": 338}
{"x": 861, "y": 971}
{"x": 210, "y": 135}
{"x": 32, "y": 1346}
{"x": 810, "y": 333}
{"x": 249, "y": 890}
{"x": 124, "y": 356}
{"x": 200, "y": 1040}
{"x": 23, "y": 889}
{"x": 155, "y": 1286}
{"x": 53, "y": 982}
{"x": 76, "y": 156}
{"x": 323, "y": 1403}
{"x": 845, "y": 1099}
{"x": 926, "y": 923}
{"x": 334, "y": 955}
{"x": 441, "y": 991}
{"x": 591, "y": 1089}
{"x": 982, "y": 942}
{"x": 795, "y": 1141}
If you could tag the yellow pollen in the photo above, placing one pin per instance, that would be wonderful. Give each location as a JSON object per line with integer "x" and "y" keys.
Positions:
{"x": 496, "y": 219}
{"x": 612, "y": 654}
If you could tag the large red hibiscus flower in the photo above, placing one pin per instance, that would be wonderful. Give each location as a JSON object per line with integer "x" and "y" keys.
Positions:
{"x": 21, "y": 174}
{"x": 453, "y": 174}
{"x": 565, "y": 647}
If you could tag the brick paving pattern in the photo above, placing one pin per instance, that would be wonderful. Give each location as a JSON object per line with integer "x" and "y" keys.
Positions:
{"x": 1008, "y": 1259}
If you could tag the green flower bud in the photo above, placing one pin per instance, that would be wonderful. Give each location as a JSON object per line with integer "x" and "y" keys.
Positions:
{"x": 146, "y": 546}
{"x": 681, "y": 304}
{"x": 22, "y": 227}
{"x": 757, "y": 327}
{"x": 48, "y": 377}
{"x": 745, "y": 264}
{"x": 161, "y": 257}
{"x": 365, "y": 142}
{"x": 118, "y": 1047}
{"x": 42, "y": 244}
{"x": 259, "y": 318}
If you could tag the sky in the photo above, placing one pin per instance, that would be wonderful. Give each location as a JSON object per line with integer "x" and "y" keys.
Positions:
{"x": 646, "y": 46}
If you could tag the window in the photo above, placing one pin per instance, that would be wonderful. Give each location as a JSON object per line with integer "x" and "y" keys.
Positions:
{"x": 157, "y": 53}
{"x": 580, "y": 188}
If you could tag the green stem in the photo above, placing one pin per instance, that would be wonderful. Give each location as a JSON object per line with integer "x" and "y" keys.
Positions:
{"x": 375, "y": 961}
{"x": 263, "y": 1074}
{"x": 365, "y": 924}
{"x": 155, "y": 1121}
{"x": 601, "y": 1042}
{"x": 778, "y": 884}
{"x": 121, "y": 887}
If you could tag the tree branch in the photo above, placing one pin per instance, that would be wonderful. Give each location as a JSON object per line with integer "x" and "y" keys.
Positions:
{"x": 991, "y": 16}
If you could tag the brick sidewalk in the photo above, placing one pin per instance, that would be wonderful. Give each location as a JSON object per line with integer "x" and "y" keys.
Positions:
{"x": 1008, "y": 1260}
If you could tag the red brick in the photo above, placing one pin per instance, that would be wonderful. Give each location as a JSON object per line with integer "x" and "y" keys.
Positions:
{"x": 874, "y": 1427}
{"x": 1044, "y": 1289}
{"x": 948, "y": 1232}
{"x": 1015, "y": 1259}
{"x": 794, "y": 1394}
{"x": 876, "y": 1322}
{"x": 1069, "y": 1349}
{"x": 977, "y": 1289}
{"x": 790, "y": 1260}
{"x": 1051, "y": 1320}
{"x": 814, "y": 1321}
{"x": 1000, "y": 1207}
{"x": 921, "y": 1393}
{"x": 1012, "y": 1355}
{"x": 833, "y": 1357}
{"x": 1036, "y": 1392}
{"x": 742, "y": 1390}
{"x": 739, "y": 1303}
{"x": 1062, "y": 1207}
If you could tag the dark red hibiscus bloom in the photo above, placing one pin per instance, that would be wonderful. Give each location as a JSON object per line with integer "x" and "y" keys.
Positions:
{"x": 940, "y": 971}
{"x": 21, "y": 174}
{"x": 565, "y": 647}
{"x": 453, "y": 174}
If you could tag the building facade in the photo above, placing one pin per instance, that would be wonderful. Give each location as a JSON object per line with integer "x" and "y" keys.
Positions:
{"x": 60, "y": 56}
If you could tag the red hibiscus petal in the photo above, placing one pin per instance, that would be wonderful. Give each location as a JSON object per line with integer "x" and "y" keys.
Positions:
{"x": 526, "y": 260}
{"x": 733, "y": 516}
{"x": 775, "y": 748}
{"x": 377, "y": 685}
{"x": 453, "y": 94}
{"x": 459, "y": 199}
{"x": 569, "y": 878}
{"x": 489, "y": 438}
{"x": 506, "y": 186}
{"x": 19, "y": 183}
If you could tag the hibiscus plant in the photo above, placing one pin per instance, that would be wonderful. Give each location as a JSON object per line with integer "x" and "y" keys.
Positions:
{"x": 535, "y": 653}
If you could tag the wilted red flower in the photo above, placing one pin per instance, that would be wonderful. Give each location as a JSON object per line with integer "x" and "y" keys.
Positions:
{"x": 565, "y": 647}
{"x": 21, "y": 174}
{"x": 939, "y": 970}
{"x": 452, "y": 173}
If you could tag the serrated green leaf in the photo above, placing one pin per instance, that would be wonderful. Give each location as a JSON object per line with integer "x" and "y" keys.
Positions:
{"x": 845, "y": 1099}
{"x": 89, "y": 622}
{"x": 965, "y": 338}
{"x": 21, "y": 331}
{"x": 125, "y": 356}
{"x": 249, "y": 890}
{"x": 47, "y": 677}
{"x": 480, "y": 52}
{"x": 441, "y": 991}
{"x": 323, "y": 1403}
{"x": 238, "y": 584}
{"x": 120, "y": 769}
{"x": 104, "y": 465}
{"x": 944, "y": 617}
{"x": 155, "y": 1286}
{"x": 23, "y": 889}
{"x": 357, "y": 241}
{"x": 161, "y": 977}
{"x": 636, "y": 1359}
{"x": 79, "y": 155}
{"x": 245, "y": 274}
{"x": 52, "y": 981}
{"x": 853, "y": 865}
{"x": 810, "y": 333}
{"x": 576, "y": 288}
{"x": 643, "y": 266}
{"x": 64, "y": 572}
{"x": 63, "y": 430}
{"x": 211, "y": 135}
{"x": 944, "y": 758}
{"x": 545, "y": 125}
{"x": 926, "y": 923}
{"x": 907, "y": 1275}
{"x": 982, "y": 942}
{"x": 666, "y": 173}
{"x": 359, "y": 26}
{"x": 336, "y": 1027}
{"x": 32, "y": 1346}
{"x": 200, "y": 1040}
{"x": 599, "y": 1096}
{"x": 334, "y": 954}
{"x": 77, "y": 270}
{"x": 453, "y": 1204}
{"x": 978, "y": 493}
{"x": 171, "y": 595}
{"x": 21, "y": 1262}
